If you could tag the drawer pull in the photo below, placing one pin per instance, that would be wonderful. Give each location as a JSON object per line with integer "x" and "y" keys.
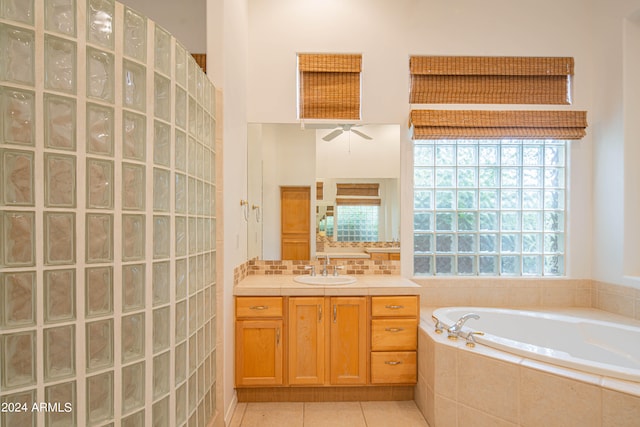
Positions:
{"x": 394, "y": 329}
{"x": 393, "y": 362}
{"x": 394, "y": 307}
{"x": 259, "y": 307}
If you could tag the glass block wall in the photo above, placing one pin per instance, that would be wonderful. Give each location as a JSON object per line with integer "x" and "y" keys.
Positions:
{"x": 107, "y": 220}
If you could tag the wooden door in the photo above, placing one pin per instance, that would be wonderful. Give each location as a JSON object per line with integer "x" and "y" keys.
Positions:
{"x": 306, "y": 340}
{"x": 259, "y": 358}
{"x": 295, "y": 208}
{"x": 348, "y": 340}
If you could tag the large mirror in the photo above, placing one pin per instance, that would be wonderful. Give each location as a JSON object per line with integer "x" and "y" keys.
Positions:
{"x": 352, "y": 173}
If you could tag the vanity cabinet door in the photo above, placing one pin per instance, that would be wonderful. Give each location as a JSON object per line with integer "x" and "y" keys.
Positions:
{"x": 306, "y": 340}
{"x": 259, "y": 360}
{"x": 348, "y": 340}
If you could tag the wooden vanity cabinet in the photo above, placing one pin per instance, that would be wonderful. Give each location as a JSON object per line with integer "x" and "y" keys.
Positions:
{"x": 348, "y": 340}
{"x": 259, "y": 341}
{"x": 306, "y": 340}
{"x": 394, "y": 339}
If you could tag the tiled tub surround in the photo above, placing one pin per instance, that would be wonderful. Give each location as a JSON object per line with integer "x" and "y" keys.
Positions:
{"x": 107, "y": 219}
{"x": 458, "y": 386}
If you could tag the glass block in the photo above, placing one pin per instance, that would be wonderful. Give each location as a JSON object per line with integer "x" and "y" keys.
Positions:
{"x": 132, "y": 337}
{"x": 181, "y": 108}
{"x": 467, "y": 243}
{"x": 200, "y": 121}
{"x": 181, "y": 193}
{"x": 19, "y": 110}
{"x": 532, "y": 199}
{"x": 160, "y": 283}
{"x": 466, "y": 265}
{"x": 445, "y": 243}
{"x": 488, "y": 221}
{"x": 98, "y": 291}
{"x": 510, "y": 243}
{"x": 444, "y": 265}
{"x": 554, "y": 199}
{"x": 467, "y": 155}
{"x": 133, "y": 187}
{"x": 17, "y": 177}
{"x": 134, "y": 85}
{"x": 445, "y": 178}
{"x": 181, "y": 236}
{"x": 19, "y": 295}
{"x": 19, "y": 418}
{"x": 181, "y": 321}
{"x": 134, "y": 420}
{"x": 532, "y": 221}
{"x": 193, "y": 350}
{"x": 193, "y": 235}
{"x": 510, "y": 221}
{"x": 554, "y": 178}
{"x": 161, "y": 236}
{"x": 100, "y": 129}
{"x": 193, "y": 116}
{"x": 445, "y": 155}
{"x": 181, "y": 404}
{"x": 162, "y": 144}
{"x": 423, "y": 221}
{"x": 134, "y": 136}
{"x": 510, "y": 265}
{"x": 100, "y": 22}
{"x": 180, "y": 65}
{"x": 59, "y": 238}
{"x": 161, "y": 371}
{"x": 161, "y": 186}
{"x": 17, "y": 46}
{"x": 488, "y": 265}
{"x": 510, "y": 199}
{"x": 162, "y": 97}
{"x": 532, "y": 177}
{"x": 99, "y": 398}
{"x": 19, "y": 359}
{"x": 99, "y": 241}
{"x": 99, "y": 344}
{"x": 554, "y": 243}
{"x": 133, "y": 243}
{"x": 60, "y": 64}
{"x": 467, "y": 199}
{"x": 532, "y": 155}
{"x": 422, "y": 243}
{"x": 99, "y": 184}
{"x": 488, "y": 177}
{"x": 445, "y": 221}
{"x": 466, "y": 177}
{"x": 160, "y": 412}
{"x": 60, "y": 180}
{"x": 510, "y": 177}
{"x": 488, "y": 199}
{"x": 554, "y": 155}
{"x": 59, "y": 352}
{"x": 488, "y": 242}
{"x": 18, "y": 10}
{"x": 554, "y": 221}
{"x": 553, "y": 265}
{"x": 65, "y": 395}
{"x": 467, "y": 221}
{"x": 180, "y": 156}
{"x": 19, "y": 235}
{"x": 100, "y": 75}
{"x": 133, "y": 387}
{"x": 60, "y": 16}
{"x": 60, "y": 122}
{"x": 162, "y": 49}
{"x": 135, "y": 35}
{"x": 161, "y": 329}
{"x": 445, "y": 199}
{"x": 510, "y": 156}
{"x": 59, "y": 295}
{"x": 133, "y": 285}
{"x": 192, "y": 70}
{"x": 181, "y": 278}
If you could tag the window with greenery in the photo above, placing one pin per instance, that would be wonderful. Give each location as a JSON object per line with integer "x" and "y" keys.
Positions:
{"x": 357, "y": 223}
{"x": 489, "y": 207}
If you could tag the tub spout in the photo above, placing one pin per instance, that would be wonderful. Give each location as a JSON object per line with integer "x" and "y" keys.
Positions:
{"x": 454, "y": 331}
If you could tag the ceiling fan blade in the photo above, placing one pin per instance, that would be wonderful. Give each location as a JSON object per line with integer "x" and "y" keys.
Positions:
{"x": 333, "y": 135}
{"x": 363, "y": 135}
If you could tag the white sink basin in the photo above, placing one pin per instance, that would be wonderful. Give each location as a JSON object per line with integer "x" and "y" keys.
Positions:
{"x": 307, "y": 279}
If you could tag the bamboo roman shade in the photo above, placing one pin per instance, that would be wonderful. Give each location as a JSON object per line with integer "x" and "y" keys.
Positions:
{"x": 490, "y": 80}
{"x": 475, "y": 124}
{"x": 360, "y": 190}
{"x": 343, "y": 201}
{"x": 329, "y": 86}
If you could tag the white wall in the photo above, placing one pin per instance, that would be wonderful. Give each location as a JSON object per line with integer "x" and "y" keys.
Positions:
{"x": 387, "y": 33}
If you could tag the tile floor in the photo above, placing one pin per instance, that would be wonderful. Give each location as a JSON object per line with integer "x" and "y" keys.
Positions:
{"x": 328, "y": 414}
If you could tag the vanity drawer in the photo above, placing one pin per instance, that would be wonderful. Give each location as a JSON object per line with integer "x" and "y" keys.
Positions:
{"x": 393, "y": 367}
{"x": 395, "y": 306}
{"x": 258, "y": 307}
{"x": 394, "y": 334}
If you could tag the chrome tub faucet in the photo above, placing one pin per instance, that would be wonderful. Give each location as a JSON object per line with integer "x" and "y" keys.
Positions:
{"x": 453, "y": 332}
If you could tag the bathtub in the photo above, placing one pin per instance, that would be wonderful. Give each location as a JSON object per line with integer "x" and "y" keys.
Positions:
{"x": 590, "y": 345}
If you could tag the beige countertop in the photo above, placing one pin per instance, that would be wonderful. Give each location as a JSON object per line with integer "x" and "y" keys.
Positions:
{"x": 366, "y": 284}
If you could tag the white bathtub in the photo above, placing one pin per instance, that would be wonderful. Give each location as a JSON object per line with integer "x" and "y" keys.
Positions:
{"x": 590, "y": 345}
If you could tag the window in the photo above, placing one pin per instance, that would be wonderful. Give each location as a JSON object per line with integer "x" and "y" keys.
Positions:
{"x": 489, "y": 207}
{"x": 357, "y": 223}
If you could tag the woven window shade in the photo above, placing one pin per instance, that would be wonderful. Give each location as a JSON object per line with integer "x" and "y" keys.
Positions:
{"x": 366, "y": 190}
{"x": 319, "y": 190}
{"x": 345, "y": 201}
{"x": 201, "y": 60}
{"x": 329, "y": 86}
{"x": 490, "y": 80}
{"x": 475, "y": 124}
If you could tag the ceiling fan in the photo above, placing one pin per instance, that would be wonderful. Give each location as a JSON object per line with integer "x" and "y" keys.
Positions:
{"x": 345, "y": 128}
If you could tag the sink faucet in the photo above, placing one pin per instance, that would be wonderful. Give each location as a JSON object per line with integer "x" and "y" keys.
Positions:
{"x": 325, "y": 271}
{"x": 454, "y": 331}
